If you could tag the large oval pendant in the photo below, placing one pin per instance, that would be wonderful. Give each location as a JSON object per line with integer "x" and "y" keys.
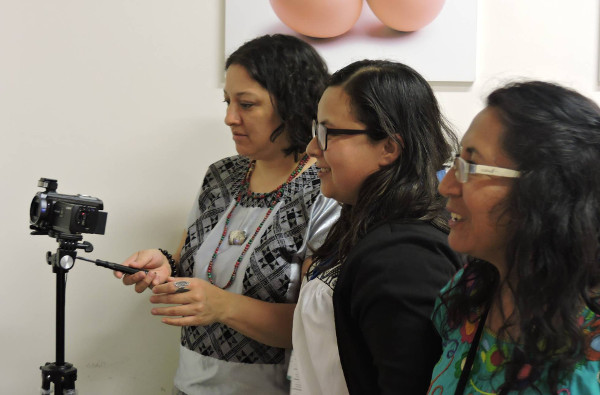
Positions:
{"x": 237, "y": 237}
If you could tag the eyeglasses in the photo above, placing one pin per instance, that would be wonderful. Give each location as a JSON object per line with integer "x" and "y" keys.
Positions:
{"x": 321, "y": 132}
{"x": 462, "y": 169}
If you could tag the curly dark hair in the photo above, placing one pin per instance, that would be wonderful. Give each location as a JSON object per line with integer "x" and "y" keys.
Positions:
{"x": 553, "y": 136}
{"x": 294, "y": 74}
{"x": 393, "y": 100}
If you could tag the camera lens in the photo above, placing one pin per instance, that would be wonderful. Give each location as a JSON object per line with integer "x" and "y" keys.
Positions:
{"x": 38, "y": 210}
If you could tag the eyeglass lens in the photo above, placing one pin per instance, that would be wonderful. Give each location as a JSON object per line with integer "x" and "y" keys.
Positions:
{"x": 460, "y": 169}
{"x": 320, "y": 132}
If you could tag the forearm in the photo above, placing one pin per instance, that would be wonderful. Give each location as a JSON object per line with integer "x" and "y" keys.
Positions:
{"x": 265, "y": 322}
{"x": 173, "y": 260}
{"x": 177, "y": 254}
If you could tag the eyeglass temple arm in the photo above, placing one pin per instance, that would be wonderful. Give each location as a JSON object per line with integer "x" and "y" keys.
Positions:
{"x": 493, "y": 171}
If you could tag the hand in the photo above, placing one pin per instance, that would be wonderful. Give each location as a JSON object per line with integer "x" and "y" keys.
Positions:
{"x": 202, "y": 304}
{"x": 152, "y": 260}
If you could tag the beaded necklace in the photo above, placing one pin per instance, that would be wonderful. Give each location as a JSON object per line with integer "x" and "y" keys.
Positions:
{"x": 246, "y": 189}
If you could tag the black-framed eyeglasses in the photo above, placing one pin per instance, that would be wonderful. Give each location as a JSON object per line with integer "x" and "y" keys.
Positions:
{"x": 321, "y": 132}
{"x": 462, "y": 169}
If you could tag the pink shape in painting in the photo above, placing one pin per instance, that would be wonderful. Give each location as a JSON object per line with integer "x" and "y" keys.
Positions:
{"x": 332, "y": 18}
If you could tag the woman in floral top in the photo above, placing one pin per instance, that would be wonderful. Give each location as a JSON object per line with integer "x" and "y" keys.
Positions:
{"x": 524, "y": 199}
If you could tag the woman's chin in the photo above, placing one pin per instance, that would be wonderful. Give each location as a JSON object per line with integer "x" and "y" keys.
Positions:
{"x": 243, "y": 151}
{"x": 456, "y": 243}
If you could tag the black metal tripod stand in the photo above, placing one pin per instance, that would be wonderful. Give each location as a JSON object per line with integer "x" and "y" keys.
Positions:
{"x": 62, "y": 374}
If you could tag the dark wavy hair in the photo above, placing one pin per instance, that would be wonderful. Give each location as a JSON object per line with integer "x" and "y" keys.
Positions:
{"x": 294, "y": 74}
{"x": 553, "y": 136}
{"x": 392, "y": 100}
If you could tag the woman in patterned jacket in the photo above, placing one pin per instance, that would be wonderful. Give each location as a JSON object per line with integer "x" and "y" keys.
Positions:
{"x": 248, "y": 231}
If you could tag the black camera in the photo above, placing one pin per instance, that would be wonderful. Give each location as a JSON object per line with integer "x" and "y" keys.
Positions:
{"x": 53, "y": 213}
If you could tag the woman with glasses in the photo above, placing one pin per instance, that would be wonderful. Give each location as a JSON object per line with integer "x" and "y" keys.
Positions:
{"x": 237, "y": 270}
{"x": 362, "y": 324}
{"x": 524, "y": 197}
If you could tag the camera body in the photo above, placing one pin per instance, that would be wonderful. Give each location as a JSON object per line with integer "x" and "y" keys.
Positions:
{"x": 52, "y": 212}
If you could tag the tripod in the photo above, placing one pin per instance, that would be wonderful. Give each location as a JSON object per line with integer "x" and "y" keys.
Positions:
{"x": 62, "y": 374}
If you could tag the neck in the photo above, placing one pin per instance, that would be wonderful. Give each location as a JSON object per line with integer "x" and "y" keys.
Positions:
{"x": 270, "y": 173}
{"x": 503, "y": 309}
{"x": 275, "y": 167}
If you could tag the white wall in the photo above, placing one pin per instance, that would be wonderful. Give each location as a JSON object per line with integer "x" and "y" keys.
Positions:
{"x": 122, "y": 100}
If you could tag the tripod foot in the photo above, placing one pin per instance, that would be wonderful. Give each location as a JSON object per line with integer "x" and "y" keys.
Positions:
{"x": 62, "y": 376}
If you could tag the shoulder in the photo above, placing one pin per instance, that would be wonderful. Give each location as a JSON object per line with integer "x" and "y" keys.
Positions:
{"x": 402, "y": 256}
{"x": 590, "y": 323}
{"x": 410, "y": 230}
{"x": 440, "y": 311}
{"x": 226, "y": 171}
{"x": 304, "y": 189}
{"x": 453, "y": 281}
{"x": 406, "y": 242}
{"x": 231, "y": 164}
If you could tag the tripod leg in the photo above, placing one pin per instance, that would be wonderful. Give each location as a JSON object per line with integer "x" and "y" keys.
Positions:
{"x": 60, "y": 373}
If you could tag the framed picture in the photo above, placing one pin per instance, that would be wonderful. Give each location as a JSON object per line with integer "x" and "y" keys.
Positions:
{"x": 441, "y": 50}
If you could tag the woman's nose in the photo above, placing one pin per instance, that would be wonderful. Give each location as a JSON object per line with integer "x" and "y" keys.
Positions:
{"x": 231, "y": 116}
{"x": 449, "y": 186}
{"x": 312, "y": 149}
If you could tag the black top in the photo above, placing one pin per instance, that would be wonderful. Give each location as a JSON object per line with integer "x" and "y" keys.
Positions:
{"x": 382, "y": 303}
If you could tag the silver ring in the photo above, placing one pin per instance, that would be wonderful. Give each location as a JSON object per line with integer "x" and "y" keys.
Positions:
{"x": 181, "y": 286}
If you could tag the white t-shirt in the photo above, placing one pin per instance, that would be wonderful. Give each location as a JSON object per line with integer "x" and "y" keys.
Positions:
{"x": 315, "y": 366}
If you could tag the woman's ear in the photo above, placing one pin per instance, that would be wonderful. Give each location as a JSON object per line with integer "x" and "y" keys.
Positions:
{"x": 390, "y": 150}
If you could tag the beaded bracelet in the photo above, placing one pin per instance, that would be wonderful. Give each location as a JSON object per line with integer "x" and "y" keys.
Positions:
{"x": 172, "y": 262}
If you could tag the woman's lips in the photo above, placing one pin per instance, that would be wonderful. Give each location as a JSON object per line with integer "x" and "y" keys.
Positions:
{"x": 454, "y": 220}
{"x": 322, "y": 170}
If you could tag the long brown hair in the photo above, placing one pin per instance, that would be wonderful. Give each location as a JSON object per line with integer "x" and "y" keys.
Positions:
{"x": 553, "y": 135}
{"x": 393, "y": 100}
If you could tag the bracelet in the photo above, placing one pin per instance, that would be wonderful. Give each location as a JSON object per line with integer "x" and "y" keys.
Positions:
{"x": 172, "y": 263}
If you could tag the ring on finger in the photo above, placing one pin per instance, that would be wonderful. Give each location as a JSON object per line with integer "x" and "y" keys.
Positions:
{"x": 181, "y": 286}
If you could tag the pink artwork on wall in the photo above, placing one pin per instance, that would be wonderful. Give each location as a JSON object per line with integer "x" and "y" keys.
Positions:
{"x": 332, "y": 18}
{"x": 436, "y": 37}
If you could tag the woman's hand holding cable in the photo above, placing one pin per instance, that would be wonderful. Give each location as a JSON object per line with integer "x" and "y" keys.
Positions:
{"x": 154, "y": 262}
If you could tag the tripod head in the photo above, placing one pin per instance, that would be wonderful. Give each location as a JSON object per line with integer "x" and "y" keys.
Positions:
{"x": 65, "y": 256}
